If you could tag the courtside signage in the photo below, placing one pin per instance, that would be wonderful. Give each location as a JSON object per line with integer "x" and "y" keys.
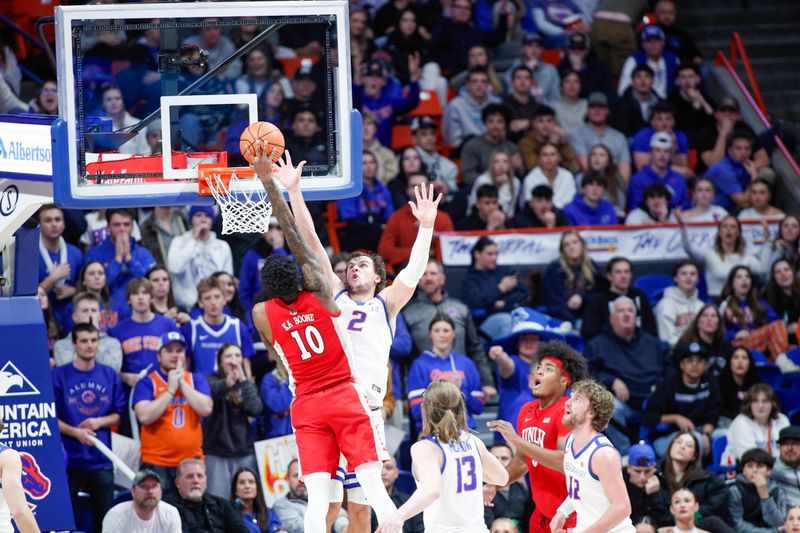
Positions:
{"x": 25, "y": 149}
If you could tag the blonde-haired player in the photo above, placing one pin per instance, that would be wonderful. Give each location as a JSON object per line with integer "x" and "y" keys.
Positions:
{"x": 595, "y": 488}
{"x": 450, "y": 465}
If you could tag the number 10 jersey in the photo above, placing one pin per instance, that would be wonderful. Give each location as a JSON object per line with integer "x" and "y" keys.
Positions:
{"x": 308, "y": 339}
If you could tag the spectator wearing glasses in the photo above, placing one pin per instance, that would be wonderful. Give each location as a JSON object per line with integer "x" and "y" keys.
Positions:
{"x": 46, "y": 100}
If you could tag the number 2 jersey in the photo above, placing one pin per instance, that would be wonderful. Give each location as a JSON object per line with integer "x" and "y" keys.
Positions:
{"x": 367, "y": 326}
{"x": 459, "y": 507}
{"x": 308, "y": 339}
{"x": 588, "y": 497}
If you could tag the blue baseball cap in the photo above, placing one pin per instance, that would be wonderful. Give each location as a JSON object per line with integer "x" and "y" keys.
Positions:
{"x": 641, "y": 454}
{"x": 170, "y": 337}
{"x": 652, "y": 32}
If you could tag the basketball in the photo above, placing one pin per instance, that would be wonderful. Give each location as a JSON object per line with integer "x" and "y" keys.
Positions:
{"x": 264, "y": 131}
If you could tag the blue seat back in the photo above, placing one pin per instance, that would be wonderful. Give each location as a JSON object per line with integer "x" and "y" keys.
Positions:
{"x": 653, "y": 286}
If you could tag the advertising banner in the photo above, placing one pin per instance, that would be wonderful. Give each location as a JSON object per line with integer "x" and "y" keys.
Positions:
{"x": 28, "y": 411}
{"x": 638, "y": 243}
{"x": 274, "y": 456}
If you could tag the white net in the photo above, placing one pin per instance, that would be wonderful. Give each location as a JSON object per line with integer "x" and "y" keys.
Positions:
{"x": 243, "y": 203}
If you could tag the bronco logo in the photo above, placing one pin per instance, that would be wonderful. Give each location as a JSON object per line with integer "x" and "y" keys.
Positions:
{"x": 34, "y": 482}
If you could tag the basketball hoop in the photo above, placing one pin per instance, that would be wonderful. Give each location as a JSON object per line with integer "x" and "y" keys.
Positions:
{"x": 243, "y": 202}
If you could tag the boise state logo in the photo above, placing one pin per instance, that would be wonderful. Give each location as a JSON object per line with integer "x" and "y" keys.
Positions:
{"x": 34, "y": 482}
{"x": 88, "y": 397}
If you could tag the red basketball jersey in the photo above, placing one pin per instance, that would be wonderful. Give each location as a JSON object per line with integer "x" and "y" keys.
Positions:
{"x": 543, "y": 427}
{"x": 307, "y": 337}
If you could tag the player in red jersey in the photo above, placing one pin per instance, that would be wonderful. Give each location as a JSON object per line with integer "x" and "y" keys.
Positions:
{"x": 299, "y": 326}
{"x": 540, "y": 443}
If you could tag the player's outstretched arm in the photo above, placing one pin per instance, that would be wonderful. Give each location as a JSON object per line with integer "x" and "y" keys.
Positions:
{"x": 606, "y": 465}
{"x": 14, "y": 495}
{"x": 313, "y": 280}
{"x": 289, "y": 176}
{"x": 553, "y": 459}
{"x": 424, "y": 210}
{"x": 427, "y": 460}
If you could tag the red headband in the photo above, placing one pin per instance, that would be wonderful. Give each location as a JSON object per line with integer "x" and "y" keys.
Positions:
{"x": 560, "y": 365}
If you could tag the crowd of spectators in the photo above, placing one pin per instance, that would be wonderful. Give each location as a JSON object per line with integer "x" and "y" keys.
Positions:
{"x": 153, "y": 306}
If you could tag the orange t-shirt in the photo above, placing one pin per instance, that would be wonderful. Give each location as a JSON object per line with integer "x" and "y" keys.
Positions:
{"x": 177, "y": 434}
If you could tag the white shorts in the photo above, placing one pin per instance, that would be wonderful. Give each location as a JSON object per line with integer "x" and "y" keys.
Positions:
{"x": 347, "y": 480}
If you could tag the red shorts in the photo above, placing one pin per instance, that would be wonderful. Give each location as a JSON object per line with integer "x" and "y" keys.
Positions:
{"x": 540, "y": 523}
{"x": 331, "y": 421}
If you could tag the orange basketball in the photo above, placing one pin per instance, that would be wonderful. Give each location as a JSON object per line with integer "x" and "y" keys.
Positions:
{"x": 266, "y": 132}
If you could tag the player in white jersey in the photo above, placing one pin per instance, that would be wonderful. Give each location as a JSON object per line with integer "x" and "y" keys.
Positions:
{"x": 12, "y": 496}
{"x": 369, "y": 312}
{"x": 595, "y": 488}
{"x": 450, "y": 465}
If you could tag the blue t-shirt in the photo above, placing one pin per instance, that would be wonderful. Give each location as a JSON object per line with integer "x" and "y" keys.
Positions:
{"x": 730, "y": 177}
{"x": 75, "y": 260}
{"x": 510, "y": 389}
{"x": 144, "y": 387}
{"x": 641, "y": 141}
{"x": 375, "y": 201}
{"x": 81, "y": 395}
{"x": 140, "y": 341}
{"x": 673, "y": 181}
{"x": 204, "y": 340}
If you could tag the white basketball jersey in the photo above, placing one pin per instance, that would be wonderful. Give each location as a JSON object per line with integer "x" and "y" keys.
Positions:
{"x": 459, "y": 507}
{"x": 5, "y": 513}
{"x": 584, "y": 488}
{"x": 371, "y": 336}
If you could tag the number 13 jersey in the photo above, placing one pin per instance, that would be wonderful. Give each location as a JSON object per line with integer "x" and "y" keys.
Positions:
{"x": 308, "y": 339}
{"x": 367, "y": 326}
{"x": 459, "y": 507}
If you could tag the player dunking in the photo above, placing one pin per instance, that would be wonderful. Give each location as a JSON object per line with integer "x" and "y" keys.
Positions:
{"x": 542, "y": 433}
{"x": 330, "y": 412}
{"x": 450, "y": 465}
{"x": 12, "y": 496}
{"x": 369, "y": 310}
{"x": 596, "y": 490}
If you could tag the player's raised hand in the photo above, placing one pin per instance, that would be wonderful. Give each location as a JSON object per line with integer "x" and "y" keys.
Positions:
{"x": 504, "y": 428}
{"x": 262, "y": 162}
{"x": 426, "y": 207}
{"x": 288, "y": 175}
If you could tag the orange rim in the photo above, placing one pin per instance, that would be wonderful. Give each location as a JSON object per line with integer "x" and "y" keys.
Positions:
{"x": 206, "y": 172}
